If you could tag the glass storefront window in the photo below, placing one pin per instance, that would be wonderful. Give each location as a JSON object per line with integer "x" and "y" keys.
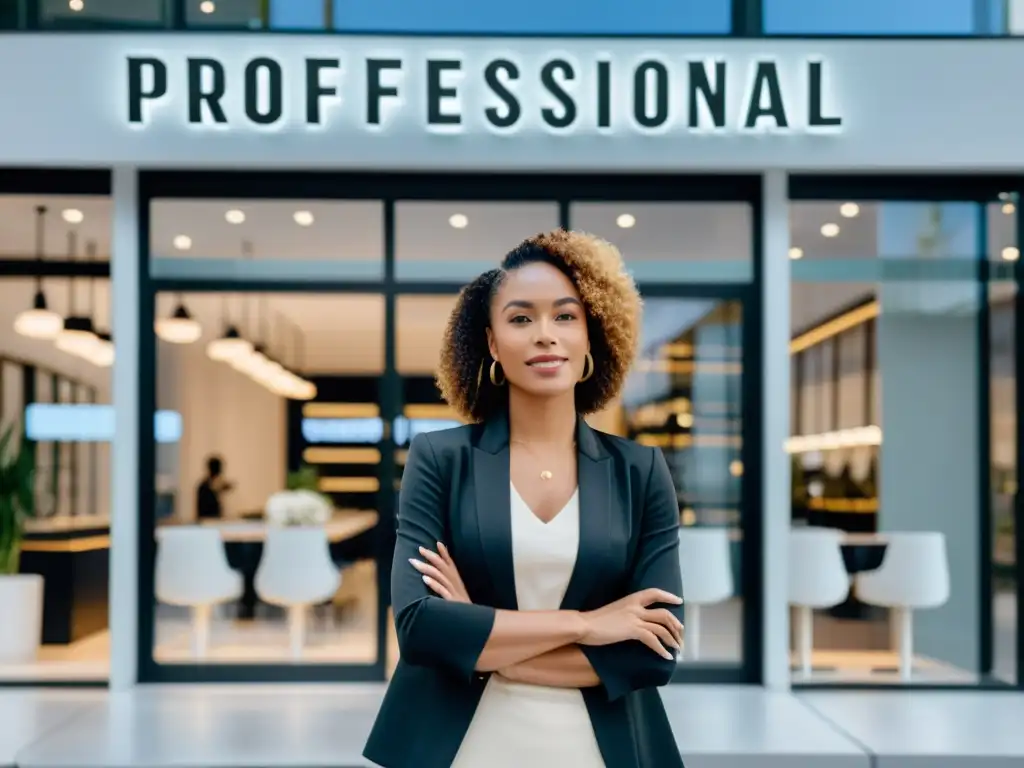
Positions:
{"x": 568, "y": 17}
{"x": 293, "y": 404}
{"x": 57, "y": 395}
{"x": 888, "y": 432}
{"x": 884, "y": 17}
{"x": 226, "y": 266}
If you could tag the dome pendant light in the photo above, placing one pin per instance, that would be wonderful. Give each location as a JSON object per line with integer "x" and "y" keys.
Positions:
{"x": 180, "y": 327}
{"x": 77, "y": 337}
{"x": 40, "y": 322}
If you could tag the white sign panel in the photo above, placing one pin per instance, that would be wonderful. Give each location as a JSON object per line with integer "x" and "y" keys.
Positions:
{"x": 319, "y": 102}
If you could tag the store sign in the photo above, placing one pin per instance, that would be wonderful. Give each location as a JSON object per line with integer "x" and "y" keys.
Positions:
{"x": 455, "y": 92}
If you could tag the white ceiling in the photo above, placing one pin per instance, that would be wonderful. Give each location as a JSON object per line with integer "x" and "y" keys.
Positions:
{"x": 346, "y": 332}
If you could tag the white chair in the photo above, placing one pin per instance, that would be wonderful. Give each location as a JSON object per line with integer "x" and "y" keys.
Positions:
{"x": 192, "y": 570}
{"x": 706, "y": 565}
{"x": 914, "y": 575}
{"x": 296, "y": 572}
{"x": 817, "y": 579}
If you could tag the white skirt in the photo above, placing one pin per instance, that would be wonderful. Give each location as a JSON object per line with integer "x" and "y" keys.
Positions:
{"x": 519, "y": 725}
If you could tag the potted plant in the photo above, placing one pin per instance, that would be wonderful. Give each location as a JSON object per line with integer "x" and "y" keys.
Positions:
{"x": 21, "y": 594}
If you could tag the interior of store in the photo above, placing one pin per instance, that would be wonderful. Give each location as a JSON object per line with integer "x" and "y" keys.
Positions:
{"x": 284, "y": 389}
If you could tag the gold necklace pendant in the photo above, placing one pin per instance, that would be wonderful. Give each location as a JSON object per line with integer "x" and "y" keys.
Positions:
{"x": 546, "y": 475}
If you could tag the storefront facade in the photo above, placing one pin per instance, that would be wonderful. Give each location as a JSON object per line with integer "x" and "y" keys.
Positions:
{"x": 739, "y": 133}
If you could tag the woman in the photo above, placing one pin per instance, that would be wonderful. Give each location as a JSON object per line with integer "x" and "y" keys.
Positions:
{"x": 536, "y": 574}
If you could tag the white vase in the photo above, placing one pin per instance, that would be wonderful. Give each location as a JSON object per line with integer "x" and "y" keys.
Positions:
{"x": 21, "y": 605}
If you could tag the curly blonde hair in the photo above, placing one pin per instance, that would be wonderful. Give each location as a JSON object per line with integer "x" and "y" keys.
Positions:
{"x": 609, "y": 297}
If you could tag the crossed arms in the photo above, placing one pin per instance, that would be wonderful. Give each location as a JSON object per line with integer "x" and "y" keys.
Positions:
{"x": 623, "y": 646}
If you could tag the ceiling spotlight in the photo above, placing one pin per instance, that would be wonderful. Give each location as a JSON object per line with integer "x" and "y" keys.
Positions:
{"x": 76, "y": 5}
{"x": 830, "y": 229}
{"x": 72, "y": 216}
{"x": 207, "y": 6}
{"x": 1010, "y": 253}
{"x": 1009, "y": 208}
{"x": 182, "y": 242}
{"x": 1006, "y": 196}
{"x": 303, "y": 218}
{"x": 458, "y": 221}
{"x": 849, "y": 210}
{"x": 796, "y": 253}
{"x": 234, "y": 216}
{"x": 626, "y": 220}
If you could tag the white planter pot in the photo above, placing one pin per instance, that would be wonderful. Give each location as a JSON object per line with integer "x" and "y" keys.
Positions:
{"x": 21, "y": 605}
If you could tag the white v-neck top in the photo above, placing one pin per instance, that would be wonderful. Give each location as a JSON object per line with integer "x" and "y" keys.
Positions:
{"x": 518, "y": 725}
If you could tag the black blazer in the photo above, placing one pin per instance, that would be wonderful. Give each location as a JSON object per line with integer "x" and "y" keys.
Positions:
{"x": 456, "y": 490}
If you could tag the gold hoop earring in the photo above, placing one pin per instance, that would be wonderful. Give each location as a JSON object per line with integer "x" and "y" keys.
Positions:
{"x": 587, "y": 373}
{"x": 494, "y": 375}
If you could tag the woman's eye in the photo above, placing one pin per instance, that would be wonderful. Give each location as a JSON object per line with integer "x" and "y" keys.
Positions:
{"x": 519, "y": 319}
{"x": 566, "y": 316}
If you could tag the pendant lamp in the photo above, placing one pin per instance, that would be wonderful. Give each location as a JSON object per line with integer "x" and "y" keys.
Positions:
{"x": 231, "y": 345}
{"x": 39, "y": 322}
{"x": 180, "y": 327}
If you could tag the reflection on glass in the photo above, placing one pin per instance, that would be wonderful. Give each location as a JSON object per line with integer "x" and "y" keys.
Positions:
{"x": 685, "y": 397}
{"x": 231, "y": 14}
{"x": 885, "y": 17}
{"x": 271, "y": 498}
{"x": 101, "y": 14}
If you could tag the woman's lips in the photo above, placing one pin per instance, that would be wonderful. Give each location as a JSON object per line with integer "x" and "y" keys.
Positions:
{"x": 547, "y": 366}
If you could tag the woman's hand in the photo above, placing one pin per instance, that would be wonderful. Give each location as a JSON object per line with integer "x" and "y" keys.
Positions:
{"x": 631, "y": 619}
{"x": 441, "y": 575}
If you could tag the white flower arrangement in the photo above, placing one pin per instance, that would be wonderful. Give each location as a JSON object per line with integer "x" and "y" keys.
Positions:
{"x": 298, "y": 508}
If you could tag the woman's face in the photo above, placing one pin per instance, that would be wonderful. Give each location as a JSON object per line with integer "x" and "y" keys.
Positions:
{"x": 538, "y": 330}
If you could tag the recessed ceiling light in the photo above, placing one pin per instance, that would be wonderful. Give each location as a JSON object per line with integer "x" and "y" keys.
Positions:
{"x": 207, "y": 6}
{"x": 830, "y": 229}
{"x": 1009, "y": 208}
{"x": 76, "y": 5}
{"x": 1005, "y": 195}
{"x": 72, "y": 216}
{"x": 1010, "y": 253}
{"x": 626, "y": 220}
{"x": 303, "y": 218}
{"x": 458, "y": 220}
{"x": 235, "y": 216}
{"x": 796, "y": 253}
{"x": 182, "y": 242}
{"x": 849, "y": 210}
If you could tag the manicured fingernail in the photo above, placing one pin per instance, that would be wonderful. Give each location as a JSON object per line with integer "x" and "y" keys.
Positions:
{"x": 423, "y": 551}
{"x": 414, "y": 562}
{"x": 426, "y": 579}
